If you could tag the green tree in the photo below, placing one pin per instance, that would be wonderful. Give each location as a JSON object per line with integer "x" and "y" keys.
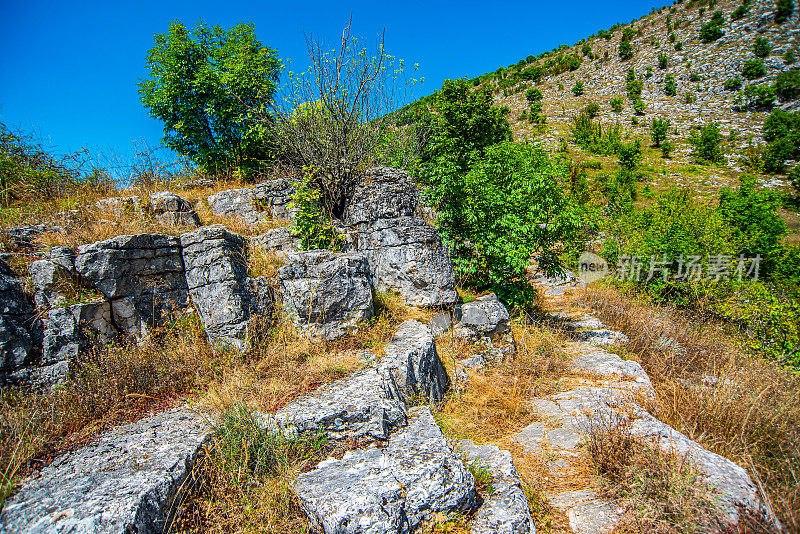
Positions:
{"x": 784, "y": 10}
{"x": 761, "y": 47}
{"x": 707, "y": 143}
{"x": 625, "y": 50}
{"x": 787, "y": 84}
{"x": 616, "y": 104}
{"x": 782, "y": 133}
{"x": 753, "y": 69}
{"x": 208, "y": 86}
{"x": 712, "y": 30}
{"x": 577, "y": 89}
{"x": 658, "y": 131}
{"x": 670, "y": 87}
{"x": 533, "y": 94}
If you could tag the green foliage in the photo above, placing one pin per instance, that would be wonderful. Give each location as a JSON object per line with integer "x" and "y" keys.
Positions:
{"x": 694, "y": 77}
{"x": 784, "y": 10}
{"x": 733, "y": 84}
{"x": 616, "y": 104}
{"x": 679, "y": 46}
{"x": 662, "y": 60}
{"x": 208, "y": 87}
{"x": 533, "y": 95}
{"x": 658, "y": 131}
{"x": 625, "y": 50}
{"x": 648, "y": 73}
{"x": 787, "y": 84}
{"x": 592, "y": 109}
{"x": 712, "y": 30}
{"x": 577, "y": 89}
{"x": 666, "y": 148}
{"x": 672, "y": 37}
{"x": 312, "y": 225}
{"x": 760, "y": 96}
{"x": 707, "y": 143}
{"x": 591, "y": 136}
{"x": 670, "y": 87}
{"x": 752, "y": 214}
{"x": 753, "y": 69}
{"x": 794, "y": 178}
{"x": 638, "y": 106}
{"x": 633, "y": 85}
{"x": 761, "y": 47}
{"x": 782, "y": 133}
{"x": 630, "y": 155}
{"x": 789, "y": 57}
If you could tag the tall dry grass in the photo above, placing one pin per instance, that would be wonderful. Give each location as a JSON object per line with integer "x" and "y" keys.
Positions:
{"x": 735, "y": 404}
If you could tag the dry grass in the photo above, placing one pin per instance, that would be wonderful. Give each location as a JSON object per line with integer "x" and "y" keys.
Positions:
{"x": 744, "y": 408}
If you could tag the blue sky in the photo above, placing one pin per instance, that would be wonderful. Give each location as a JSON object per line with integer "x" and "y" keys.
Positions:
{"x": 69, "y": 70}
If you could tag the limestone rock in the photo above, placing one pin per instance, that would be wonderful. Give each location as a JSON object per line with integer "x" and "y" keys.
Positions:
{"x": 216, "y": 275}
{"x": 485, "y": 315}
{"x": 382, "y": 193}
{"x": 391, "y": 489}
{"x": 412, "y": 362}
{"x": 506, "y": 510}
{"x": 326, "y": 293}
{"x": 279, "y": 240}
{"x": 17, "y": 322}
{"x": 267, "y": 200}
{"x": 170, "y": 209}
{"x": 130, "y": 479}
{"x": 364, "y": 404}
{"x": 68, "y": 331}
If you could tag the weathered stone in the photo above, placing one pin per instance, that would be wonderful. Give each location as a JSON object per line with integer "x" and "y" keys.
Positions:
{"x": 68, "y": 331}
{"x": 485, "y": 315}
{"x": 363, "y": 405}
{"x": 267, "y": 200}
{"x": 17, "y": 322}
{"x": 48, "y": 278}
{"x": 391, "y": 489}
{"x": 411, "y": 360}
{"x": 130, "y": 479}
{"x": 440, "y": 324}
{"x": 23, "y": 237}
{"x": 118, "y": 205}
{"x": 506, "y": 510}
{"x": 326, "y": 293}
{"x": 382, "y": 193}
{"x": 170, "y": 209}
{"x": 216, "y": 274}
{"x": 280, "y": 240}
{"x": 587, "y": 513}
{"x": 600, "y": 337}
{"x": 409, "y": 257}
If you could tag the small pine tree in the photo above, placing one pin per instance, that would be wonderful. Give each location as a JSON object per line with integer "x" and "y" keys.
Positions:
{"x": 658, "y": 131}
{"x": 577, "y": 89}
{"x": 784, "y": 10}
{"x": 616, "y": 104}
{"x": 670, "y": 87}
{"x": 662, "y": 60}
{"x": 761, "y": 47}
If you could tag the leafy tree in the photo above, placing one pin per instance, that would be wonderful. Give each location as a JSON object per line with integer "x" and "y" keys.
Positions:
{"x": 533, "y": 94}
{"x": 753, "y": 69}
{"x": 733, "y": 84}
{"x": 782, "y": 133}
{"x": 759, "y": 96}
{"x": 784, "y": 10}
{"x": 208, "y": 86}
{"x": 707, "y": 143}
{"x": 666, "y": 148}
{"x": 638, "y": 106}
{"x": 712, "y": 30}
{"x": 761, "y": 47}
{"x": 625, "y": 50}
{"x": 577, "y": 89}
{"x": 658, "y": 131}
{"x": 670, "y": 87}
{"x": 787, "y": 84}
{"x": 630, "y": 155}
{"x": 662, "y": 60}
{"x": 616, "y": 104}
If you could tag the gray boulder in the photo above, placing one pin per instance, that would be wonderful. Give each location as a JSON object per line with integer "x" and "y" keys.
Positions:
{"x": 363, "y": 405}
{"x": 48, "y": 279}
{"x": 69, "y": 330}
{"x": 485, "y": 315}
{"x": 130, "y": 479}
{"x": 17, "y": 323}
{"x": 279, "y": 240}
{"x": 326, "y": 293}
{"x": 382, "y": 193}
{"x": 411, "y": 361}
{"x": 171, "y": 210}
{"x": 216, "y": 274}
{"x": 409, "y": 257}
{"x": 267, "y": 200}
{"x": 391, "y": 489}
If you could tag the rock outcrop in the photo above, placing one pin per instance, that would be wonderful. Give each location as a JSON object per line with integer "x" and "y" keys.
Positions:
{"x": 484, "y": 316}
{"x": 327, "y": 294}
{"x": 17, "y": 323}
{"x": 267, "y": 200}
{"x": 171, "y": 210}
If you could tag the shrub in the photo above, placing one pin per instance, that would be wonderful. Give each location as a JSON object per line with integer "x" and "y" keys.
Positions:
{"x": 694, "y": 77}
{"x": 591, "y": 136}
{"x": 707, "y": 143}
{"x": 633, "y": 85}
{"x": 670, "y": 87}
{"x": 733, "y": 84}
{"x": 760, "y": 96}
{"x": 712, "y": 30}
{"x": 671, "y": 37}
{"x": 794, "y": 179}
{"x": 787, "y": 84}
{"x": 533, "y": 95}
{"x": 782, "y": 133}
{"x": 312, "y": 226}
{"x": 784, "y": 10}
{"x": 616, "y": 104}
{"x": 679, "y": 46}
{"x": 592, "y": 109}
{"x": 658, "y": 131}
{"x": 789, "y": 57}
{"x": 666, "y": 148}
{"x": 753, "y": 69}
{"x": 690, "y": 98}
{"x": 648, "y": 73}
{"x": 625, "y": 50}
{"x": 630, "y": 155}
{"x": 638, "y": 106}
{"x": 761, "y": 47}
{"x": 739, "y": 13}
{"x": 586, "y": 50}
{"x": 662, "y": 60}
{"x": 577, "y": 89}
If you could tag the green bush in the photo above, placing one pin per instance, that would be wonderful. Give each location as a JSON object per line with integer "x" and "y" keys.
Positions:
{"x": 707, "y": 143}
{"x": 670, "y": 87}
{"x": 753, "y": 69}
{"x": 690, "y": 98}
{"x": 782, "y": 133}
{"x": 794, "y": 179}
{"x": 761, "y": 47}
{"x": 760, "y": 96}
{"x": 592, "y": 137}
{"x": 633, "y": 85}
{"x": 630, "y": 155}
{"x": 648, "y": 73}
{"x": 679, "y": 46}
{"x": 577, "y": 89}
{"x": 712, "y": 30}
{"x": 312, "y": 225}
{"x": 789, "y": 57}
{"x": 694, "y": 77}
{"x": 671, "y": 37}
{"x": 662, "y": 60}
{"x": 616, "y": 104}
{"x": 592, "y": 109}
{"x": 638, "y": 106}
{"x": 658, "y": 131}
{"x": 784, "y": 10}
{"x": 625, "y": 50}
{"x": 787, "y": 84}
{"x": 739, "y": 13}
{"x": 733, "y": 84}
{"x": 533, "y": 94}
{"x": 666, "y": 149}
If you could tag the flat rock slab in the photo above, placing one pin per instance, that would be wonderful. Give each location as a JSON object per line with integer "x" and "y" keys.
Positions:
{"x": 506, "y": 510}
{"x": 600, "y": 362}
{"x": 391, "y": 489}
{"x": 600, "y": 337}
{"x": 363, "y": 404}
{"x": 127, "y": 480}
{"x": 587, "y": 513}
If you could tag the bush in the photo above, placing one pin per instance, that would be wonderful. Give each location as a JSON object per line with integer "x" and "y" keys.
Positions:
{"x": 787, "y": 84}
{"x": 670, "y": 87}
{"x": 784, "y": 10}
{"x": 753, "y": 69}
{"x": 733, "y": 84}
{"x": 662, "y": 60}
{"x": 761, "y": 47}
{"x": 679, "y": 46}
{"x": 577, "y": 89}
{"x": 690, "y": 98}
{"x": 592, "y": 137}
{"x": 630, "y": 155}
{"x": 658, "y": 131}
{"x": 711, "y": 31}
{"x": 739, "y": 13}
{"x": 694, "y": 77}
{"x": 666, "y": 149}
{"x": 638, "y": 106}
{"x": 794, "y": 179}
{"x": 782, "y": 133}
{"x": 633, "y": 85}
{"x": 671, "y": 37}
{"x": 759, "y": 96}
{"x": 789, "y": 57}
{"x": 312, "y": 225}
{"x": 592, "y": 109}
{"x": 533, "y": 95}
{"x": 707, "y": 143}
{"x": 616, "y": 104}
{"x": 625, "y": 50}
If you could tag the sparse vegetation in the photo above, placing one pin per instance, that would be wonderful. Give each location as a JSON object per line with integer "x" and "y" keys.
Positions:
{"x": 753, "y": 69}
{"x": 616, "y": 104}
{"x": 761, "y": 47}
{"x": 707, "y": 143}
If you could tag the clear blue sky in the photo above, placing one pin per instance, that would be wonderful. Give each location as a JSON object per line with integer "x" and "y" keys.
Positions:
{"x": 70, "y": 69}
